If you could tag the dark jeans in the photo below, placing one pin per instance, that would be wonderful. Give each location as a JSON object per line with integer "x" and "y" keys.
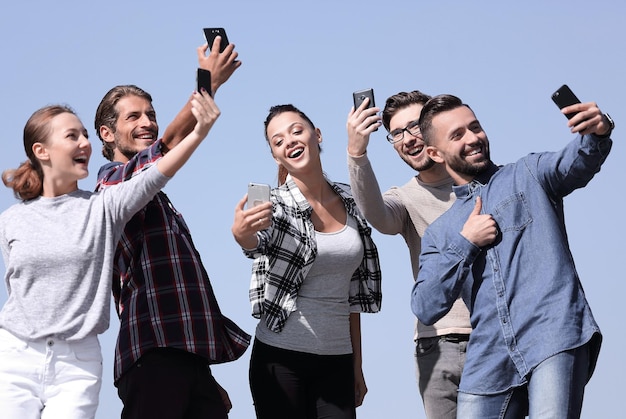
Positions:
{"x": 296, "y": 385}
{"x": 168, "y": 383}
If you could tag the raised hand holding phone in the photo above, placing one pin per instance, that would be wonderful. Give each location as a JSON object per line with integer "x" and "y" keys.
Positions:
{"x": 359, "y": 97}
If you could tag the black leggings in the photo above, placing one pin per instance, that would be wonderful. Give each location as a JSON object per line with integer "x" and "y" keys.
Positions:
{"x": 297, "y": 385}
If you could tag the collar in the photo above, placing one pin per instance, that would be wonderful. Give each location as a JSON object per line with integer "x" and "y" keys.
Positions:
{"x": 480, "y": 180}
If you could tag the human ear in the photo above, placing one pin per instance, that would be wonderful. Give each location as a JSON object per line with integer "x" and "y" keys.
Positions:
{"x": 434, "y": 154}
{"x": 107, "y": 134}
{"x": 40, "y": 151}
{"x": 318, "y": 132}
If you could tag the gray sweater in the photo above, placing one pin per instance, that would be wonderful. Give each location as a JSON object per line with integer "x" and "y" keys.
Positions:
{"x": 407, "y": 211}
{"x": 58, "y": 254}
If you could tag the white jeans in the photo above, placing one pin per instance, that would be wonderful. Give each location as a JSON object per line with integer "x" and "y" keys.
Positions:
{"x": 49, "y": 378}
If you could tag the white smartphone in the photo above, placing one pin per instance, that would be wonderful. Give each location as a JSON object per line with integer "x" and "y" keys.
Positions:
{"x": 258, "y": 193}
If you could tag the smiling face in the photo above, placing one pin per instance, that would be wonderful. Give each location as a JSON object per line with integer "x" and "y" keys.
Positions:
{"x": 294, "y": 143}
{"x": 460, "y": 143}
{"x": 411, "y": 148}
{"x": 135, "y": 128}
{"x": 64, "y": 156}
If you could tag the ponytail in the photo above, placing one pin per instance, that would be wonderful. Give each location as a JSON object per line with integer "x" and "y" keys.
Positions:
{"x": 26, "y": 181}
{"x": 282, "y": 175}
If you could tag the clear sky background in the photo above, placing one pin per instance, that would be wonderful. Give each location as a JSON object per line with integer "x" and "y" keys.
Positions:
{"x": 503, "y": 58}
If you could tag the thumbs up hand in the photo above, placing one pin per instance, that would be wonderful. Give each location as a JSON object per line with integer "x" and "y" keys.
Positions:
{"x": 480, "y": 229}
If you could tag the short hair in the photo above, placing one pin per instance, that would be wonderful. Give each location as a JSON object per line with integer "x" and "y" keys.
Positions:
{"x": 107, "y": 114}
{"x": 401, "y": 100}
{"x": 433, "y": 107}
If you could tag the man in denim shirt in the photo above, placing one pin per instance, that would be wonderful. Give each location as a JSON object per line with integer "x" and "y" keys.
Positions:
{"x": 503, "y": 247}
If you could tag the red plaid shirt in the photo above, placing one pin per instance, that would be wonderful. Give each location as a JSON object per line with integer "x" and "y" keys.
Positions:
{"x": 162, "y": 292}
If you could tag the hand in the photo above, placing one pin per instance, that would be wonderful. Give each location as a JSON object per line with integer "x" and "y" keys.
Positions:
{"x": 225, "y": 398}
{"x": 249, "y": 221}
{"x": 222, "y": 65}
{"x": 205, "y": 111}
{"x": 361, "y": 123}
{"x": 480, "y": 229}
{"x": 360, "y": 389}
{"x": 588, "y": 119}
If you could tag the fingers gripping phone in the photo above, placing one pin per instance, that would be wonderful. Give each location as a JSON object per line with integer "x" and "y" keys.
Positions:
{"x": 258, "y": 193}
{"x": 211, "y": 33}
{"x": 564, "y": 97}
{"x": 203, "y": 79}
{"x": 360, "y": 96}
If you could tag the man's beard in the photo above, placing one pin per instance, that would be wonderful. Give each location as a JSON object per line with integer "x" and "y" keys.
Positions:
{"x": 472, "y": 169}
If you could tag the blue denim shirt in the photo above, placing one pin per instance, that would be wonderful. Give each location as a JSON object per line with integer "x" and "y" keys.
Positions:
{"x": 523, "y": 291}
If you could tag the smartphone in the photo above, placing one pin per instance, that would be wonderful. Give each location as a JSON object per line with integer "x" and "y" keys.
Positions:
{"x": 203, "y": 79}
{"x": 564, "y": 97}
{"x": 359, "y": 97}
{"x": 258, "y": 193}
{"x": 211, "y": 33}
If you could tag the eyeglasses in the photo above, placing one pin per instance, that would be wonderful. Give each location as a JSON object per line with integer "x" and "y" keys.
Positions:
{"x": 398, "y": 134}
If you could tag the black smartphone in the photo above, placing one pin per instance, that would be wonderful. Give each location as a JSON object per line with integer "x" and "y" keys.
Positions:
{"x": 359, "y": 97}
{"x": 203, "y": 79}
{"x": 211, "y": 33}
{"x": 565, "y": 97}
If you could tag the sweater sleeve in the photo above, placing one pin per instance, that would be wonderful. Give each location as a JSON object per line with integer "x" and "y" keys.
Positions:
{"x": 385, "y": 213}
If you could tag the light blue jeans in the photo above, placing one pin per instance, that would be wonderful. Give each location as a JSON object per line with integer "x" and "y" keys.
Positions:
{"x": 49, "y": 378}
{"x": 440, "y": 363}
{"x": 555, "y": 389}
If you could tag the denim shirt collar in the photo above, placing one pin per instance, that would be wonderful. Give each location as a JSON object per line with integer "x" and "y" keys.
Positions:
{"x": 468, "y": 189}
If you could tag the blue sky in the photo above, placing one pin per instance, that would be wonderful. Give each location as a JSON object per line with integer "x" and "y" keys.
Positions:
{"x": 503, "y": 58}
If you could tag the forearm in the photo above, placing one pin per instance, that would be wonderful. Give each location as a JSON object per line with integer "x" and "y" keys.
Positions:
{"x": 355, "y": 338}
{"x": 179, "y": 128}
{"x": 441, "y": 278}
{"x": 178, "y": 156}
{"x": 380, "y": 212}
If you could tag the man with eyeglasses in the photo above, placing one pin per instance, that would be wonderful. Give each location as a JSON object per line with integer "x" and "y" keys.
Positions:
{"x": 408, "y": 210}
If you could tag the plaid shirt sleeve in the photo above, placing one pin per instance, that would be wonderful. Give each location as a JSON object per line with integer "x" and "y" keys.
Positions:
{"x": 116, "y": 172}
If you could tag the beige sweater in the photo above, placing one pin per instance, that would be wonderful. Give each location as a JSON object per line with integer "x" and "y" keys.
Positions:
{"x": 407, "y": 210}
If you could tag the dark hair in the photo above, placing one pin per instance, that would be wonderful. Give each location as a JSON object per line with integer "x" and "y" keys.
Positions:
{"x": 27, "y": 180}
{"x": 274, "y": 112}
{"x": 107, "y": 114}
{"x": 433, "y": 107}
{"x": 400, "y": 101}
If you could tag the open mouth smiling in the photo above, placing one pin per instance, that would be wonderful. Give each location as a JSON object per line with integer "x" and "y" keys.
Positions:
{"x": 296, "y": 153}
{"x": 415, "y": 150}
{"x": 81, "y": 159}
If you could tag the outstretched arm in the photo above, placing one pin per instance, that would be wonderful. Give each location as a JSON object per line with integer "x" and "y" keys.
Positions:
{"x": 205, "y": 112}
{"x": 222, "y": 65}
